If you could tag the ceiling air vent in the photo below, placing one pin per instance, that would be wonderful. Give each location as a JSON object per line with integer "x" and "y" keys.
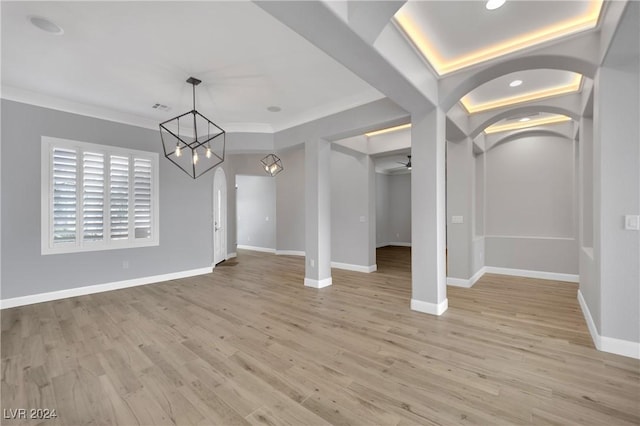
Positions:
{"x": 161, "y": 107}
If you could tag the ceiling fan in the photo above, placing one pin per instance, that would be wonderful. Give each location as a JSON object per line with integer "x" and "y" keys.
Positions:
{"x": 407, "y": 164}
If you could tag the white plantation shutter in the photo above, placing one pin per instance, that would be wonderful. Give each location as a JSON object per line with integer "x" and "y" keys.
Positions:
{"x": 93, "y": 183}
{"x": 64, "y": 188}
{"x": 142, "y": 174}
{"x": 97, "y": 197}
{"x": 119, "y": 197}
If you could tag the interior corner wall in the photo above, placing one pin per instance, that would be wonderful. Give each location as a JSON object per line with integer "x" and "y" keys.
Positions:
{"x": 290, "y": 201}
{"x": 529, "y": 205}
{"x": 185, "y": 208}
{"x": 382, "y": 210}
{"x": 256, "y": 211}
{"x": 350, "y": 213}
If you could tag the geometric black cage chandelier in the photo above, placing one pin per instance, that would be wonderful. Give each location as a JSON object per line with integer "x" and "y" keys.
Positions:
{"x": 191, "y": 141}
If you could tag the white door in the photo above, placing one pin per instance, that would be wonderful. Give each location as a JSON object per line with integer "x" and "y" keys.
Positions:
{"x": 219, "y": 216}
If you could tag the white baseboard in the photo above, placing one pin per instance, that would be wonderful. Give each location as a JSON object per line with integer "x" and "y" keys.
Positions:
{"x": 254, "y": 248}
{"x": 231, "y": 255}
{"x": 290, "y": 253}
{"x": 399, "y": 244}
{"x": 308, "y": 282}
{"x": 460, "y": 282}
{"x": 430, "y": 308}
{"x": 355, "y": 268}
{"x": 607, "y": 344}
{"x": 573, "y": 278}
{"x": 98, "y": 288}
{"x": 474, "y": 279}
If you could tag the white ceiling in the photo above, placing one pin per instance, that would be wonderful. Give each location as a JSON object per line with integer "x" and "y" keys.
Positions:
{"x": 127, "y": 56}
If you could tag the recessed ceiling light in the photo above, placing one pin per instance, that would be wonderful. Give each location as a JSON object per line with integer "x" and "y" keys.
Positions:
{"x": 46, "y": 25}
{"x": 494, "y": 4}
{"x": 515, "y": 83}
{"x": 274, "y": 108}
{"x": 524, "y": 119}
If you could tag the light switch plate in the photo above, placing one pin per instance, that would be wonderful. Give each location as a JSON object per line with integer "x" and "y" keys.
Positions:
{"x": 457, "y": 219}
{"x": 632, "y": 222}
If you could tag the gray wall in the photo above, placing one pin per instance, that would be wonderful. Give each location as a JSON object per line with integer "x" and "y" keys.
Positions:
{"x": 529, "y": 205}
{"x": 243, "y": 164}
{"x": 256, "y": 211}
{"x": 184, "y": 215}
{"x": 460, "y": 199}
{"x": 349, "y": 207}
{"x": 530, "y": 188}
{"x": 393, "y": 209}
{"x": 382, "y": 210}
{"x": 400, "y": 208}
{"x": 617, "y": 181}
{"x": 290, "y": 200}
{"x": 479, "y": 195}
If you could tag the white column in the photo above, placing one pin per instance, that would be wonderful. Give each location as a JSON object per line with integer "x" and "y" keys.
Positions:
{"x": 428, "y": 278}
{"x": 317, "y": 214}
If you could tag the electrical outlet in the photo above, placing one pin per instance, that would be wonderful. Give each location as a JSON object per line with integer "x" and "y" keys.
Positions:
{"x": 125, "y": 264}
{"x": 313, "y": 263}
{"x": 363, "y": 219}
{"x": 457, "y": 219}
{"x": 632, "y": 222}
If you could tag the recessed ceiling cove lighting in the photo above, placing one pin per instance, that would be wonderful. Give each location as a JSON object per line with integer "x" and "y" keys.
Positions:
{"x": 572, "y": 87}
{"x": 515, "y": 83}
{"x": 46, "y": 25}
{"x": 388, "y": 130}
{"x": 494, "y": 4}
{"x": 274, "y": 108}
{"x": 553, "y": 119}
{"x": 441, "y": 61}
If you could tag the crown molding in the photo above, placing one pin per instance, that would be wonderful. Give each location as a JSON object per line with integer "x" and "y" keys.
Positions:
{"x": 24, "y": 96}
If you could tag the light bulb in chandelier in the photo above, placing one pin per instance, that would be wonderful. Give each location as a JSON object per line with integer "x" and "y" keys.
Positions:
{"x": 178, "y": 150}
{"x": 208, "y": 152}
{"x": 195, "y": 157}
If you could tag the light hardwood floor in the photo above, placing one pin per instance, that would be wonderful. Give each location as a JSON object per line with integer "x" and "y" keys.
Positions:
{"x": 250, "y": 344}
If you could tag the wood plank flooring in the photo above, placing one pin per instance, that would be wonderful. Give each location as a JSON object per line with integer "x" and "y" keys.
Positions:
{"x": 249, "y": 344}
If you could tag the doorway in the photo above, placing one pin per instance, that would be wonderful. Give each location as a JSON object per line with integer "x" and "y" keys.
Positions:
{"x": 219, "y": 216}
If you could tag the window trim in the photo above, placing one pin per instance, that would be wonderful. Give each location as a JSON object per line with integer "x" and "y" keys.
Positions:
{"x": 46, "y": 193}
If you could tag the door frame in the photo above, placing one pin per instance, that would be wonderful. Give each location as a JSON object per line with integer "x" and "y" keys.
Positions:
{"x": 219, "y": 180}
